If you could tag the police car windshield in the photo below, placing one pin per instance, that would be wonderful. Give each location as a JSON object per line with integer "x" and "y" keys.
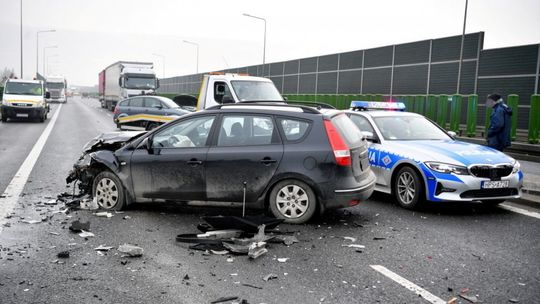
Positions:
{"x": 247, "y": 90}
{"x": 23, "y": 88}
{"x": 409, "y": 128}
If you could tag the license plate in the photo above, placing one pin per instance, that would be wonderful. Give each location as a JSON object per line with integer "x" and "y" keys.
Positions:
{"x": 494, "y": 184}
{"x": 22, "y": 114}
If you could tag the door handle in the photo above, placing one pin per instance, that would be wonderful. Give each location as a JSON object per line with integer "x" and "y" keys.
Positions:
{"x": 194, "y": 162}
{"x": 268, "y": 161}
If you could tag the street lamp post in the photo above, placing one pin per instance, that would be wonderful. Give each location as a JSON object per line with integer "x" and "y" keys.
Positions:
{"x": 21, "y": 45}
{"x": 44, "y": 49}
{"x": 37, "y": 48}
{"x": 264, "y": 42}
{"x": 461, "y": 51}
{"x": 197, "y": 45}
{"x": 163, "y": 60}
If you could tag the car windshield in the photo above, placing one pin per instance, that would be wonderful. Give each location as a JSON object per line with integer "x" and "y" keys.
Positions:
{"x": 22, "y": 88}
{"x": 256, "y": 90}
{"x": 409, "y": 128}
{"x": 134, "y": 82}
{"x": 55, "y": 85}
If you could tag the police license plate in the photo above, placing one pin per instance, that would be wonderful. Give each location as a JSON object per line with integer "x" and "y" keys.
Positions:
{"x": 22, "y": 114}
{"x": 494, "y": 184}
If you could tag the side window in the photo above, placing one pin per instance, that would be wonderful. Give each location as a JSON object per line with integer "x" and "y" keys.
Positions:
{"x": 362, "y": 123}
{"x": 150, "y": 102}
{"x": 188, "y": 133}
{"x": 124, "y": 103}
{"x": 294, "y": 129}
{"x": 247, "y": 131}
{"x": 222, "y": 92}
{"x": 136, "y": 102}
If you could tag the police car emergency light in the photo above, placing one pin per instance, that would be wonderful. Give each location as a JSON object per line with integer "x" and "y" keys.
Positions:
{"x": 377, "y": 105}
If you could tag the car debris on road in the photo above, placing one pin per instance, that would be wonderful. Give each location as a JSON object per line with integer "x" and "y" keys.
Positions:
{"x": 131, "y": 250}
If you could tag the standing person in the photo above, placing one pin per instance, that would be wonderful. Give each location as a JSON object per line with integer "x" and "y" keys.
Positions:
{"x": 498, "y": 133}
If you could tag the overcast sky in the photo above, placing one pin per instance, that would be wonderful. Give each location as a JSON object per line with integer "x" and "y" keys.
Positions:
{"x": 91, "y": 34}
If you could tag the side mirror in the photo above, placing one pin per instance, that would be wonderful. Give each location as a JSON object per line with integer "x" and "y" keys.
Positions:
{"x": 47, "y": 95}
{"x": 369, "y": 136}
{"x": 220, "y": 89}
{"x": 285, "y": 98}
{"x": 158, "y": 106}
{"x": 452, "y": 134}
{"x": 147, "y": 145}
{"x": 227, "y": 99}
{"x": 157, "y": 83}
{"x": 120, "y": 82}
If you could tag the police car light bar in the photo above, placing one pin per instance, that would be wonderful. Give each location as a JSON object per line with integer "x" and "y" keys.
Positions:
{"x": 377, "y": 105}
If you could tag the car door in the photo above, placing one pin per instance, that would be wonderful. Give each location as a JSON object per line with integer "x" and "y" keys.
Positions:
{"x": 153, "y": 106}
{"x": 247, "y": 149}
{"x": 374, "y": 149}
{"x": 175, "y": 161}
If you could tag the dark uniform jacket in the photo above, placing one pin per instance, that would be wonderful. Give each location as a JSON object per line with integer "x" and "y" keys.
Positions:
{"x": 498, "y": 134}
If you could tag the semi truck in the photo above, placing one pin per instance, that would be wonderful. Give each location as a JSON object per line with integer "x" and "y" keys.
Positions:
{"x": 124, "y": 79}
{"x": 56, "y": 85}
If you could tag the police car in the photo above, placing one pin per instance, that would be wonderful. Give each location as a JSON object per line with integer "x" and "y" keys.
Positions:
{"x": 416, "y": 160}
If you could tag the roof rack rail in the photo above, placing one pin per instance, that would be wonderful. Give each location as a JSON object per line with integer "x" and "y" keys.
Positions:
{"x": 318, "y": 105}
{"x": 279, "y": 103}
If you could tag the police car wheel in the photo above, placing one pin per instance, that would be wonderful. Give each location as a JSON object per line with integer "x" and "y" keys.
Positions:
{"x": 108, "y": 191}
{"x": 408, "y": 188}
{"x": 293, "y": 201}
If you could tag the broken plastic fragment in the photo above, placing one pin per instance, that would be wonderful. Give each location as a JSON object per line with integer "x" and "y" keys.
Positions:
{"x": 104, "y": 214}
{"x": 131, "y": 250}
{"x": 282, "y": 260}
{"x": 103, "y": 248}
{"x": 257, "y": 249}
{"x": 63, "y": 254}
{"x": 219, "y": 252}
{"x": 224, "y": 299}
{"x": 469, "y": 298}
{"x": 354, "y": 246}
{"x": 270, "y": 277}
{"x": 31, "y": 221}
{"x": 230, "y": 260}
{"x": 349, "y": 238}
{"x": 77, "y": 226}
{"x": 85, "y": 234}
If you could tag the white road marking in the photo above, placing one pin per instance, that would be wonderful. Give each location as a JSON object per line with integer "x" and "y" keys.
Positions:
{"x": 520, "y": 211}
{"x": 11, "y": 195}
{"x": 431, "y": 298}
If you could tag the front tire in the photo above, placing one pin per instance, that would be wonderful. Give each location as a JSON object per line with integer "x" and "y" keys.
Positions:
{"x": 108, "y": 191}
{"x": 293, "y": 201}
{"x": 408, "y": 188}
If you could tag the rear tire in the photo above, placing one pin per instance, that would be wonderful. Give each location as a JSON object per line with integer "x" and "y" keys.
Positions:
{"x": 293, "y": 201}
{"x": 408, "y": 188}
{"x": 108, "y": 191}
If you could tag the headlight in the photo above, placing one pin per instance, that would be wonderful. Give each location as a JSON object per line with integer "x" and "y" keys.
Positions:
{"x": 447, "y": 168}
{"x": 517, "y": 166}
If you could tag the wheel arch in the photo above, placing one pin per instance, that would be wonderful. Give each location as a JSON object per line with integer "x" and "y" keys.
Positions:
{"x": 418, "y": 171}
{"x": 294, "y": 176}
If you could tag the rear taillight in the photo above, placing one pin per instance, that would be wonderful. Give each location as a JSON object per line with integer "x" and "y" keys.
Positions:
{"x": 116, "y": 110}
{"x": 341, "y": 150}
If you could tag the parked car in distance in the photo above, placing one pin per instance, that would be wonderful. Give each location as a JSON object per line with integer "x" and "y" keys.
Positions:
{"x": 290, "y": 160}
{"x": 416, "y": 160}
{"x": 145, "y": 112}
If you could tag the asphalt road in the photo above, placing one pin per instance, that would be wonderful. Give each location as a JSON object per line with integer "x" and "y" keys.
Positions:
{"x": 490, "y": 253}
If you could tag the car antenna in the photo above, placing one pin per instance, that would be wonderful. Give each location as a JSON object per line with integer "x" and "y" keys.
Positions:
{"x": 244, "y": 201}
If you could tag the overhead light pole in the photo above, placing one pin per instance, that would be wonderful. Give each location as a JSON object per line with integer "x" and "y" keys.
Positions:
{"x": 37, "y": 48}
{"x": 461, "y": 51}
{"x": 264, "y": 41}
{"x": 197, "y": 45}
{"x": 44, "y": 49}
{"x": 163, "y": 60}
{"x": 21, "y": 45}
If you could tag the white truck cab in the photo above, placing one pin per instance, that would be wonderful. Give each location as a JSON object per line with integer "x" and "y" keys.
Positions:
{"x": 220, "y": 88}
{"x": 56, "y": 85}
{"x": 24, "y": 99}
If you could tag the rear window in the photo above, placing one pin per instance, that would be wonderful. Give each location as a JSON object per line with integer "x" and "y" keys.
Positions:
{"x": 294, "y": 129}
{"x": 347, "y": 129}
{"x": 124, "y": 103}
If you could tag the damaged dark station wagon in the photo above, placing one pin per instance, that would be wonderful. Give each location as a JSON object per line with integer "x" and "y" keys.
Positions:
{"x": 292, "y": 160}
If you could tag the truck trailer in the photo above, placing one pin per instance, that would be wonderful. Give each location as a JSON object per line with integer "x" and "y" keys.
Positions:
{"x": 124, "y": 79}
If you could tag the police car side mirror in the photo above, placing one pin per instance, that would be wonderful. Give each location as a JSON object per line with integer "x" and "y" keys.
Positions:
{"x": 369, "y": 136}
{"x": 452, "y": 134}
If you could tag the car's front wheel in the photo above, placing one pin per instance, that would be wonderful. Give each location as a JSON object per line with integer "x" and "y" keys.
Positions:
{"x": 408, "y": 188}
{"x": 108, "y": 191}
{"x": 293, "y": 201}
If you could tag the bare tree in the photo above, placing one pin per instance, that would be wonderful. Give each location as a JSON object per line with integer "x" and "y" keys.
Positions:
{"x": 6, "y": 74}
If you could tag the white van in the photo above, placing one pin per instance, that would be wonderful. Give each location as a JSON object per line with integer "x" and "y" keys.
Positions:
{"x": 24, "y": 99}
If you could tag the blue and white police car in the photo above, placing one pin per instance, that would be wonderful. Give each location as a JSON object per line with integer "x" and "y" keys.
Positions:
{"x": 416, "y": 160}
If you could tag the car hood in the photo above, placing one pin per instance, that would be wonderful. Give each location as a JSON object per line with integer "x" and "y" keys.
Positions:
{"x": 447, "y": 151}
{"x": 111, "y": 140}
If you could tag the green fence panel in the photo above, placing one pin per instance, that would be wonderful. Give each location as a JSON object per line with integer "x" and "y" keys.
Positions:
{"x": 431, "y": 107}
{"x": 409, "y": 103}
{"x": 341, "y": 101}
{"x": 455, "y": 112}
{"x": 419, "y": 104}
{"x": 378, "y": 97}
{"x": 534, "y": 119}
{"x": 332, "y": 100}
{"x": 513, "y": 101}
{"x": 442, "y": 111}
{"x": 310, "y": 97}
{"x": 489, "y": 110}
{"x": 472, "y": 108}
